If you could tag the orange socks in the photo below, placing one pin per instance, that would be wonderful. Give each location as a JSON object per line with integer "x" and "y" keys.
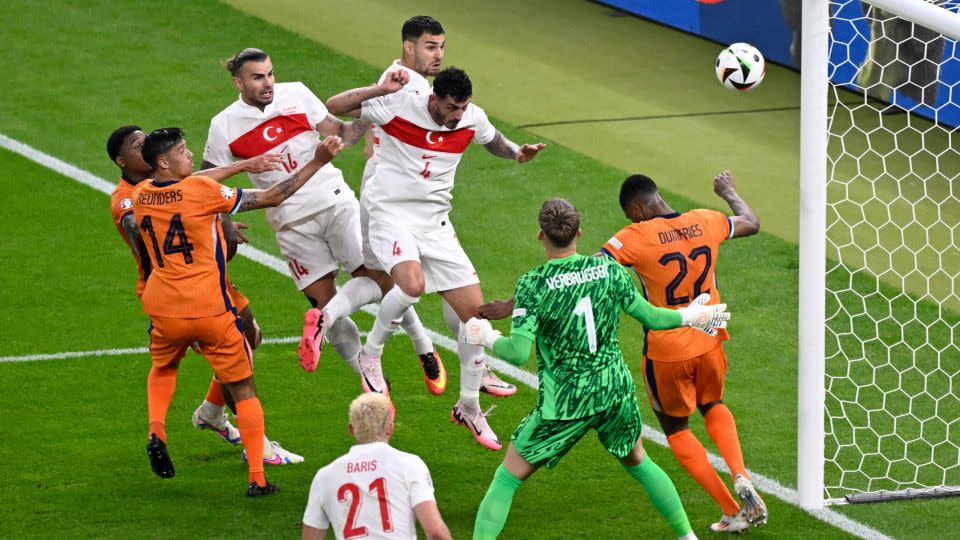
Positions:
{"x": 250, "y": 424}
{"x": 723, "y": 430}
{"x": 161, "y": 384}
{"x": 693, "y": 457}
{"x": 215, "y": 394}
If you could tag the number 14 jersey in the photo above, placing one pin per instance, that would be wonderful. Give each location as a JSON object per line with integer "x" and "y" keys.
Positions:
{"x": 675, "y": 256}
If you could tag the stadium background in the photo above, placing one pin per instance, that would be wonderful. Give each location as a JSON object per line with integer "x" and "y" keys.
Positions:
{"x": 611, "y": 94}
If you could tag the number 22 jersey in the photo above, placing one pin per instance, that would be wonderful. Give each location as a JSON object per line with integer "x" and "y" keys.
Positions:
{"x": 675, "y": 256}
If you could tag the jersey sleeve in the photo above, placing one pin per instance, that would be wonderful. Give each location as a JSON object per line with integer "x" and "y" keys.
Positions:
{"x": 217, "y": 150}
{"x": 719, "y": 225}
{"x": 619, "y": 246}
{"x": 419, "y": 482}
{"x": 314, "y": 515}
{"x": 484, "y": 132}
{"x": 625, "y": 288}
{"x": 215, "y": 198}
{"x": 120, "y": 206}
{"x": 525, "y": 306}
{"x": 383, "y": 109}
{"x": 315, "y": 109}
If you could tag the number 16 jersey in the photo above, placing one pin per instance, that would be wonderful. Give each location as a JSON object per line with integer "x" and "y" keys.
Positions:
{"x": 675, "y": 256}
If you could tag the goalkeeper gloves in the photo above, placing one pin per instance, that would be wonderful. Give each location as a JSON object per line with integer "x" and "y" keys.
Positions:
{"x": 704, "y": 317}
{"x": 479, "y": 332}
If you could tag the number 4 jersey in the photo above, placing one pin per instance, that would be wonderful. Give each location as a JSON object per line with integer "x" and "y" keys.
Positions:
{"x": 183, "y": 237}
{"x": 675, "y": 256}
{"x": 370, "y": 492}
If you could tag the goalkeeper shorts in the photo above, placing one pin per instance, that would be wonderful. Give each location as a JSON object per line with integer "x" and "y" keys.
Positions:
{"x": 676, "y": 388}
{"x": 544, "y": 442}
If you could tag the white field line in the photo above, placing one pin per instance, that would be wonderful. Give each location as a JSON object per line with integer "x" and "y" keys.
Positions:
{"x": 763, "y": 483}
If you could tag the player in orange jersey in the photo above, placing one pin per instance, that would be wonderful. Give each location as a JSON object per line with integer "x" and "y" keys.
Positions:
{"x": 186, "y": 296}
{"x": 683, "y": 369}
{"x": 675, "y": 255}
{"x": 123, "y": 147}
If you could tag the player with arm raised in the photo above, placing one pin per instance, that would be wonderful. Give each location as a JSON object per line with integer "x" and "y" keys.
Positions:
{"x": 318, "y": 229}
{"x": 675, "y": 256}
{"x": 186, "y": 296}
{"x": 123, "y": 147}
{"x": 571, "y": 307}
{"x": 374, "y": 490}
{"x": 408, "y": 203}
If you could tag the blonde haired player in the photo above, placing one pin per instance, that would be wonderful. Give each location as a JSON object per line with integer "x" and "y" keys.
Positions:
{"x": 374, "y": 490}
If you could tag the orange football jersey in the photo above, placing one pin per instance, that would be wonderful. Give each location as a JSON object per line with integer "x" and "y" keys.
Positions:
{"x": 184, "y": 239}
{"x": 675, "y": 256}
{"x": 121, "y": 204}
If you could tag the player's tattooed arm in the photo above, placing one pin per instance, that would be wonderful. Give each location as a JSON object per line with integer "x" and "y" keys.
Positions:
{"x": 252, "y": 199}
{"x": 504, "y": 148}
{"x": 129, "y": 224}
{"x": 349, "y": 132}
{"x": 744, "y": 220}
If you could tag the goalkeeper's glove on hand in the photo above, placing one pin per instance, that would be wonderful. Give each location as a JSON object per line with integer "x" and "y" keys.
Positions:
{"x": 704, "y": 317}
{"x": 479, "y": 332}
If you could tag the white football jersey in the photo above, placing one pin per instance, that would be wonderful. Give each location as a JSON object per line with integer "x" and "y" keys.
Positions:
{"x": 369, "y": 492}
{"x": 417, "y": 86}
{"x": 413, "y": 182}
{"x": 286, "y": 126}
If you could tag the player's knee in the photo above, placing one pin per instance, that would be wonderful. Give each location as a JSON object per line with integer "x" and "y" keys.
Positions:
{"x": 705, "y": 408}
{"x": 672, "y": 424}
{"x": 413, "y": 286}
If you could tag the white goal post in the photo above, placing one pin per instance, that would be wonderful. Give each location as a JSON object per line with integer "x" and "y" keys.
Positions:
{"x": 879, "y": 330}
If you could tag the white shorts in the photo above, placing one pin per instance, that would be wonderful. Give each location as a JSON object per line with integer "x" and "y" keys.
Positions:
{"x": 445, "y": 264}
{"x": 321, "y": 243}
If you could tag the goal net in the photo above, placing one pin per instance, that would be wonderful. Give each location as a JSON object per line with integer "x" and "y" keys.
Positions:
{"x": 890, "y": 324}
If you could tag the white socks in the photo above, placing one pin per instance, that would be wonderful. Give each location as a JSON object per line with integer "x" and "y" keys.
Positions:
{"x": 418, "y": 335}
{"x": 352, "y": 296}
{"x": 344, "y": 337}
{"x": 209, "y": 411}
{"x": 392, "y": 308}
{"x": 471, "y": 373}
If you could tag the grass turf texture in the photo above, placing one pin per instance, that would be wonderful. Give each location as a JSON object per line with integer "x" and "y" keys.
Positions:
{"x": 83, "y": 421}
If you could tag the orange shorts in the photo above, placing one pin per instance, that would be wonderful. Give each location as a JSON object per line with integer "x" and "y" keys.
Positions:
{"x": 220, "y": 339}
{"x": 676, "y": 388}
{"x": 239, "y": 300}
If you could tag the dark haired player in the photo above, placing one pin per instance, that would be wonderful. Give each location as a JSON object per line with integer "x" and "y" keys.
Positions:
{"x": 186, "y": 296}
{"x": 408, "y": 202}
{"x": 123, "y": 147}
{"x": 571, "y": 307}
{"x": 318, "y": 229}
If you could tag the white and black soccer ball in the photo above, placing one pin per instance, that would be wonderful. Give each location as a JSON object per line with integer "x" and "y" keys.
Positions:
{"x": 741, "y": 67}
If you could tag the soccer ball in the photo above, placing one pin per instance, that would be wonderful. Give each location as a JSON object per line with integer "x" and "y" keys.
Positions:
{"x": 741, "y": 67}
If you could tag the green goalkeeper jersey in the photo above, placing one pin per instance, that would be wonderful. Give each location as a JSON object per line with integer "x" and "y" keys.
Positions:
{"x": 571, "y": 308}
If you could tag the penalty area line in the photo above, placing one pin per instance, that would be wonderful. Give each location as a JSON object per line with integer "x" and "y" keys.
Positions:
{"x": 761, "y": 482}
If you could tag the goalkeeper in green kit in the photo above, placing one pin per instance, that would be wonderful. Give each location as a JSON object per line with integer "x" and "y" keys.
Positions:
{"x": 571, "y": 307}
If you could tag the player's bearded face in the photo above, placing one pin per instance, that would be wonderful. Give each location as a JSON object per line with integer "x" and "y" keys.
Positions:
{"x": 255, "y": 81}
{"x": 428, "y": 54}
{"x": 447, "y": 111}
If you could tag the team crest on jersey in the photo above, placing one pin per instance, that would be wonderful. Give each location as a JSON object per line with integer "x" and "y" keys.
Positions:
{"x": 126, "y": 203}
{"x": 226, "y": 192}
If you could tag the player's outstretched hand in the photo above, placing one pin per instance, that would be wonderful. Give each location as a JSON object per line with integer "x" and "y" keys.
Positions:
{"x": 529, "y": 151}
{"x": 328, "y": 148}
{"x": 479, "y": 332}
{"x": 703, "y": 317}
{"x": 394, "y": 81}
{"x": 262, "y": 163}
{"x": 724, "y": 184}
{"x": 496, "y": 309}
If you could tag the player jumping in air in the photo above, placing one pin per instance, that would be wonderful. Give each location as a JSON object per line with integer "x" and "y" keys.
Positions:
{"x": 186, "y": 296}
{"x": 571, "y": 307}
{"x": 408, "y": 203}
{"x": 123, "y": 147}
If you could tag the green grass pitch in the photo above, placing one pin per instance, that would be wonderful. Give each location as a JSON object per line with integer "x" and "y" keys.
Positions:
{"x": 72, "y": 435}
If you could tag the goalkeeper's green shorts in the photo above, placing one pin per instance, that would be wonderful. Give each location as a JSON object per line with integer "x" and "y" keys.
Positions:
{"x": 544, "y": 442}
